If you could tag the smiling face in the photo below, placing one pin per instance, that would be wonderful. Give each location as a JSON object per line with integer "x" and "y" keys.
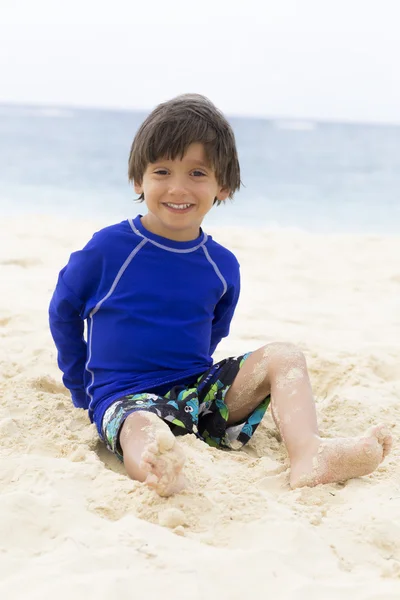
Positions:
{"x": 179, "y": 193}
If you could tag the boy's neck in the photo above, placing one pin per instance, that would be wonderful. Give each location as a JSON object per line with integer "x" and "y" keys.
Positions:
{"x": 153, "y": 225}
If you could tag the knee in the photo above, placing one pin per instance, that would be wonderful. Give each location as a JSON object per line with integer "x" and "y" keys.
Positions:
{"x": 283, "y": 356}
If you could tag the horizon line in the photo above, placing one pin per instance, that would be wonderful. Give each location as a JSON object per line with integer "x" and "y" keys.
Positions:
{"x": 233, "y": 115}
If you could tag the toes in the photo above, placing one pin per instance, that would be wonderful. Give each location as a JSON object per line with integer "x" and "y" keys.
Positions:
{"x": 384, "y": 437}
{"x": 165, "y": 440}
{"x": 162, "y": 460}
{"x": 380, "y": 432}
{"x": 149, "y": 458}
{"x": 387, "y": 444}
{"x": 152, "y": 481}
{"x": 164, "y": 470}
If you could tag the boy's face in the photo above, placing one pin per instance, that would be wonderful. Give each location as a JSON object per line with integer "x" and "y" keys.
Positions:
{"x": 178, "y": 194}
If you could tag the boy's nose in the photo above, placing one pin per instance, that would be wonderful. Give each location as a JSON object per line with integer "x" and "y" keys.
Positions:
{"x": 177, "y": 188}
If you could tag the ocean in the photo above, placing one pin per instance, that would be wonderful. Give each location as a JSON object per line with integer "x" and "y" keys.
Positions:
{"x": 313, "y": 176}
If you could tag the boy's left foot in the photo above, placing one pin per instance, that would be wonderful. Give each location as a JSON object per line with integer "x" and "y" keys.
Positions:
{"x": 339, "y": 459}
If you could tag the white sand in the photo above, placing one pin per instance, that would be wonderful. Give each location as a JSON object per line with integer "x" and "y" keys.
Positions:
{"x": 72, "y": 525}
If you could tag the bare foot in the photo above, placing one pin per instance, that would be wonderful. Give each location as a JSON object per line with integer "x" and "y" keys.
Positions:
{"x": 339, "y": 459}
{"x": 163, "y": 460}
{"x": 152, "y": 454}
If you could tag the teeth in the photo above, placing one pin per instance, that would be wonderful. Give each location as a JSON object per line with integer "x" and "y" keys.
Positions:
{"x": 178, "y": 206}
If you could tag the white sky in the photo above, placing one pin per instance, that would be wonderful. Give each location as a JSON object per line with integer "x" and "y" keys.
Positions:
{"x": 334, "y": 59}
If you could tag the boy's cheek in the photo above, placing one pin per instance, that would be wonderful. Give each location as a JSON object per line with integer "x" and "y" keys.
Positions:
{"x": 152, "y": 187}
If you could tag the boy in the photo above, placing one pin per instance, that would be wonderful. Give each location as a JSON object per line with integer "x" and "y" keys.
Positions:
{"x": 158, "y": 296}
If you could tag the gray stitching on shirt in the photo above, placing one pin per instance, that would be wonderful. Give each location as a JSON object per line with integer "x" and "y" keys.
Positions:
{"x": 218, "y": 272}
{"x": 184, "y": 250}
{"x": 118, "y": 277}
{"x": 98, "y": 306}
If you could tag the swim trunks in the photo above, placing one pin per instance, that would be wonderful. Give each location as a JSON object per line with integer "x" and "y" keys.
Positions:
{"x": 198, "y": 408}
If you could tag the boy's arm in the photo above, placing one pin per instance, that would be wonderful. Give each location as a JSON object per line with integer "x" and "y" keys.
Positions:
{"x": 224, "y": 312}
{"x": 66, "y": 316}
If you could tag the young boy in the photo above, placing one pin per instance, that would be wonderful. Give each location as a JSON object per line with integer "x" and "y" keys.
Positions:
{"x": 158, "y": 296}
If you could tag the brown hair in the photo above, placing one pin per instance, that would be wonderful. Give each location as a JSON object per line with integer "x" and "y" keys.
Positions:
{"x": 170, "y": 129}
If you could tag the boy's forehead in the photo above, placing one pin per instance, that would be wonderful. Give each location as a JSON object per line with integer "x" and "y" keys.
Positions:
{"x": 195, "y": 153}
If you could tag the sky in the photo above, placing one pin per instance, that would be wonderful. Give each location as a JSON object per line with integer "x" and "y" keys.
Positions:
{"x": 302, "y": 59}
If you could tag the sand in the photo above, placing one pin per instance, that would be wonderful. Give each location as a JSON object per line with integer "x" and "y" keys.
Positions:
{"x": 72, "y": 525}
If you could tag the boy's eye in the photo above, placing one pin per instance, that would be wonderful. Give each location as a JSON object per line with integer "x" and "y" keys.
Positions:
{"x": 196, "y": 172}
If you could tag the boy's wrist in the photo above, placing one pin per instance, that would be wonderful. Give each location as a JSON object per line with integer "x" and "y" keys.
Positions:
{"x": 79, "y": 398}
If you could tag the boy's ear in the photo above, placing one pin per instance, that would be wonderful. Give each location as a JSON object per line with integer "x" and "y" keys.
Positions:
{"x": 223, "y": 194}
{"x": 138, "y": 188}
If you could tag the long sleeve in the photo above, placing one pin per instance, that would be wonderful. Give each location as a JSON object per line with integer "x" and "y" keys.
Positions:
{"x": 66, "y": 316}
{"x": 224, "y": 312}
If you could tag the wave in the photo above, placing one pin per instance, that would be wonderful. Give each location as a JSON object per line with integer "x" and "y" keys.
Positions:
{"x": 295, "y": 125}
{"x": 31, "y": 111}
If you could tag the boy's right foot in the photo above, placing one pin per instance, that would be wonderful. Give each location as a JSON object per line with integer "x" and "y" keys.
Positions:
{"x": 153, "y": 452}
{"x": 163, "y": 459}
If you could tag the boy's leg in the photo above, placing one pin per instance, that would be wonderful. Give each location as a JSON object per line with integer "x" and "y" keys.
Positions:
{"x": 280, "y": 370}
{"x": 151, "y": 452}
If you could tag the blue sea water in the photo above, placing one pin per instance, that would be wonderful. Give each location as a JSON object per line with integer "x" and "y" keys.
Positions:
{"x": 323, "y": 177}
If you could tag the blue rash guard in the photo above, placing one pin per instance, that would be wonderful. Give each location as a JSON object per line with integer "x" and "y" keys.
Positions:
{"x": 156, "y": 309}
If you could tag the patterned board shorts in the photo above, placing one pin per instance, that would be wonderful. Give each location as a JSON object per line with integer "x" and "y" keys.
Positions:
{"x": 198, "y": 409}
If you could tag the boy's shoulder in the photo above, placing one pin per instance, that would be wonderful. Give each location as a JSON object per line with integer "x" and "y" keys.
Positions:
{"x": 112, "y": 240}
{"x": 113, "y": 231}
{"x": 224, "y": 258}
{"x": 220, "y": 250}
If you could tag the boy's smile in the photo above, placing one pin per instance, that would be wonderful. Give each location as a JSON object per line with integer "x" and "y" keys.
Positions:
{"x": 179, "y": 193}
{"x": 178, "y": 207}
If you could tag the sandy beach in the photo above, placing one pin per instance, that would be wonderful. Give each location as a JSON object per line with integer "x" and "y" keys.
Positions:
{"x": 72, "y": 525}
